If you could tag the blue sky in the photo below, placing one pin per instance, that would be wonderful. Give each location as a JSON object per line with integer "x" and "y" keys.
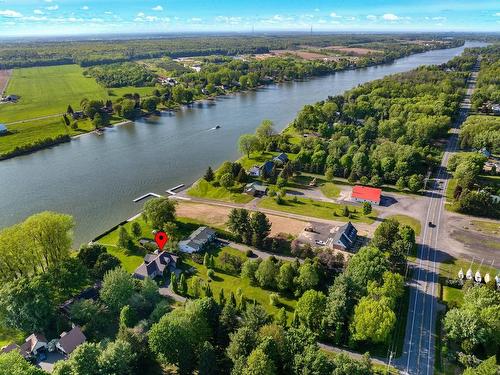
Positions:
{"x": 63, "y": 17}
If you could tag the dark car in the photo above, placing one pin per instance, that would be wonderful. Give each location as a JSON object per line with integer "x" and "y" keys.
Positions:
{"x": 431, "y": 225}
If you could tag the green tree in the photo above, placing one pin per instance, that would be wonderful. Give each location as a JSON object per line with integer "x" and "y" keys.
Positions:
{"x": 385, "y": 234}
{"x": 266, "y": 273}
{"x": 124, "y": 239}
{"x": 226, "y": 180}
{"x": 415, "y": 183}
{"x": 487, "y": 367}
{"x": 241, "y": 343}
{"x": 247, "y": 143}
{"x": 85, "y": 359}
{"x": 308, "y": 277}
{"x": 117, "y": 288}
{"x": 265, "y": 132}
{"x": 249, "y": 270}
{"x": 209, "y": 174}
{"x": 13, "y": 363}
{"x": 183, "y": 287}
{"x": 258, "y": 363}
{"x": 339, "y": 307}
{"x": 239, "y": 224}
{"x": 286, "y": 277}
{"x": 88, "y": 254}
{"x": 373, "y": 321}
{"x": 136, "y": 229}
{"x": 208, "y": 360}
{"x": 117, "y": 358}
{"x": 100, "y": 120}
{"x": 159, "y": 211}
{"x": 128, "y": 317}
{"x": 261, "y": 227}
{"x": 105, "y": 262}
{"x": 310, "y": 309}
{"x": 367, "y": 264}
{"x": 367, "y": 208}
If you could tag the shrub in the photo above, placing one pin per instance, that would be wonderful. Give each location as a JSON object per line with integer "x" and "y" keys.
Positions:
{"x": 274, "y": 299}
{"x": 249, "y": 253}
{"x": 211, "y": 274}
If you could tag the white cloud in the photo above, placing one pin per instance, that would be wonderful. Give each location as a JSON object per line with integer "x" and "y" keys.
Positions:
{"x": 196, "y": 19}
{"x": 158, "y": 8}
{"x": 10, "y": 13}
{"x": 439, "y": 18}
{"x": 108, "y": 13}
{"x": 48, "y": 1}
{"x": 53, "y": 7}
{"x": 35, "y": 18}
{"x": 141, "y": 14}
{"x": 497, "y": 14}
{"x": 228, "y": 20}
{"x": 334, "y": 15}
{"x": 390, "y": 17}
{"x": 37, "y": 11}
{"x": 85, "y": 7}
{"x": 371, "y": 17}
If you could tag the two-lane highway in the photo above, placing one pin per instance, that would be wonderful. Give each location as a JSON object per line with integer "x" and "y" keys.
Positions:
{"x": 418, "y": 351}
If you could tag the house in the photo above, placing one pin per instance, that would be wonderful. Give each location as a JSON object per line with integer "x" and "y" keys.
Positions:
{"x": 77, "y": 115}
{"x": 70, "y": 340}
{"x": 254, "y": 171}
{"x": 343, "y": 238}
{"x": 366, "y": 194}
{"x": 167, "y": 81}
{"x": 91, "y": 293}
{"x": 255, "y": 189}
{"x": 34, "y": 344}
{"x": 266, "y": 168}
{"x": 496, "y": 109}
{"x": 485, "y": 152}
{"x": 281, "y": 159}
{"x": 197, "y": 241}
{"x": 155, "y": 264}
{"x": 3, "y": 129}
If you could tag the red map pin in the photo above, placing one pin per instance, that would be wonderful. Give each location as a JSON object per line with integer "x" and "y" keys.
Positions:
{"x": 161, "y": 239}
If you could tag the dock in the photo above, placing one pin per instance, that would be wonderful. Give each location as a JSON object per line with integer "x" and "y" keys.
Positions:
{"x": 172, "y": 190}
{"x": 145, "y": 196}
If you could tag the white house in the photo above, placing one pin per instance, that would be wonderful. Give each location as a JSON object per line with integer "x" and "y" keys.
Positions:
{"x": 197, "y": 241}
{"x": 35, "y": 343}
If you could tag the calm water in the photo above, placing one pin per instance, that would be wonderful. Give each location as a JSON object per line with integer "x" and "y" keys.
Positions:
{"x": 95, "y": 178}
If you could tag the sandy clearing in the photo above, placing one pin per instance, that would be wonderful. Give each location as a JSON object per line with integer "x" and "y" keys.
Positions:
{"x": 4, "y": 79}
{"x": 306, "y": 55}
{"x": 217, "y": 216}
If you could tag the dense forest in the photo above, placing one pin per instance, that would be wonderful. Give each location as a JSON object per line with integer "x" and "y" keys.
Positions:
{"x": 88, "y": 53}
{"x": 488, "y": 82}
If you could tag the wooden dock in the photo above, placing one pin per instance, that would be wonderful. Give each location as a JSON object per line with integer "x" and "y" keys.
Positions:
{"x": 145, "y": 196}
{"x": 172, "y": 190}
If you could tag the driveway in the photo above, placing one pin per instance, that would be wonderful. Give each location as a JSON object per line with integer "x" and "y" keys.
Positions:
{"x": 48, "y": 363}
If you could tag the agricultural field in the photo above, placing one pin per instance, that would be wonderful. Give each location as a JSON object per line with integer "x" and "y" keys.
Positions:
{"x": 45, "y": 91}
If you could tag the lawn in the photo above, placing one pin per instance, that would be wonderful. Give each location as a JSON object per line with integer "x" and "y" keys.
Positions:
{"x": 8, "y": 335}
{"x": 259, "y": 158}
{"x": 47, "y": 91}
{"x": 204, "y": 189}
{"x": 231, "y": 283}
{"x": 452, "y": 296}
{"x": 410, "y": 221}
{"x": 322, "y": 210}
{"x": 450, "y": 268}
{"x": 330, "y": 190}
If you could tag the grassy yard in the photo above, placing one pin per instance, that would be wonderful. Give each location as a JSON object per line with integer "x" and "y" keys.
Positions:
{"x": 204, "y": 189}
{"x": 8, "y": 336}
{"x": 330, "y": 190}
{"x": 452, "y": 296}
{"x": 410, "y": 221}
{"x": 487, "y": 227}
{"x": 322, "y": 210}
{"x": 450, "y": 268}
{"x": 48, "y": 90}
{"x": 231, "y": 283}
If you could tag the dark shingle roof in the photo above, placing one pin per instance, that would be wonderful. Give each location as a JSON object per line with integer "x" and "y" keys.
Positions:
{"x": 346, "y": 235}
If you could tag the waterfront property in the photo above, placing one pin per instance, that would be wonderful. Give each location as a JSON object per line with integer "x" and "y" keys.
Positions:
{"x": 255, "y": 189}
{"x": 155, "y": 265}
{"x": 368, "y": 194}
{"x": 198, "y": 240}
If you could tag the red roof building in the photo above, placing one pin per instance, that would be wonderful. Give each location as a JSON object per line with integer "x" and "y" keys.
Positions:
{"x": 366, "y": 194}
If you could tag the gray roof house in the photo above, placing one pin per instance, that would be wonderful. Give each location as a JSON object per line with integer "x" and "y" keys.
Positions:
{"x": 197, "y": 240}
{"x": 255, "y": 189}
{"x": 266, "y": 168}
{"x": 343, "y": 238}
{"x": 155, "y": 264}
{"x": 281, "y": 158}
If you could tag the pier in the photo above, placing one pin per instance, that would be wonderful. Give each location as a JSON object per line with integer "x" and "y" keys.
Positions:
{"x": 172, "y": 190}
{"x": 145, "y": 196}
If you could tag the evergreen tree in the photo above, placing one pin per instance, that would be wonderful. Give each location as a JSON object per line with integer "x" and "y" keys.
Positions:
{"x": 173, "y": 283}
{"x": 209, "y": 174}
{"x": 281, "y": 318}
{"x": 70, "y": 110}
{"x": 208, "y": 291}
{"x": 232, "y": 299}
{"x": 222, "y": 299}
{"x": 183, "y": 287}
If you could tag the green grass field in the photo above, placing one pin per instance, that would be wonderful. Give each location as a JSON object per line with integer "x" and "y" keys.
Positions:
{"x": 322, "y": 210}
{"x": 48, "y": 90}
{"x": 330, "y": 190}
{"x": 231, "y": 283}
{"x": 204, "y": 189}
{"x": 410, "y": 221}
{"x": 8, "y": 336}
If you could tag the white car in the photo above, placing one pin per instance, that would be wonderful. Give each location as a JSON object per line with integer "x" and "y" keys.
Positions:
{"x": 320, "y": 243}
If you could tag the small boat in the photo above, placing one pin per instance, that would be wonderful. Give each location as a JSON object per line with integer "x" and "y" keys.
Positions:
{"x": 217, "y": 127}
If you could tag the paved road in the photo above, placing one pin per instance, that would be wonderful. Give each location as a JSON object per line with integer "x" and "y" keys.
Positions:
{"x": 418, "y": 351}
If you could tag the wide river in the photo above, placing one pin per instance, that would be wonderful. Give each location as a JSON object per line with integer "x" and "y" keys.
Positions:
{"x": 95, "y": 178}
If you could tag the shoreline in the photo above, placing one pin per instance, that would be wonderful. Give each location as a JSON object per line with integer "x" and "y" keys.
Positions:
{"x": 51, "y": 142}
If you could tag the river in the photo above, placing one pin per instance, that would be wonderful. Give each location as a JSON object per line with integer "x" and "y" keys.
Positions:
{"x": 95, "y": 178}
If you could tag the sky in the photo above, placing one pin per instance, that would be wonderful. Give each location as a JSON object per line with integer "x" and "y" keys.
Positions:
{"x": 74, "y": 17}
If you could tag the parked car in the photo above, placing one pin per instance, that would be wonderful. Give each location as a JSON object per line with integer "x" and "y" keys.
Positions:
{"x": 320, "y": 243}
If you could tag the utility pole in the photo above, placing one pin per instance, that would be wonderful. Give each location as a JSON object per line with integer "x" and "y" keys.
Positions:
{"x": 389, "y": 362}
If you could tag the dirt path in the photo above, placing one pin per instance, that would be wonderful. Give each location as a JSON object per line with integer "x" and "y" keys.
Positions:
{"x": 4, "y": 80}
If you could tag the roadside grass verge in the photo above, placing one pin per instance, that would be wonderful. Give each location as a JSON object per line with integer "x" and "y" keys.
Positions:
{"x": 408, "y": 220}
{"x": 452, "y": 296}
{"x": 204, "y": 189}
{"x": 487, "y": 227}
{"x": 330, "y": 190}
{"x": 450, "y": 268}
{"x": 321, "y": 210}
